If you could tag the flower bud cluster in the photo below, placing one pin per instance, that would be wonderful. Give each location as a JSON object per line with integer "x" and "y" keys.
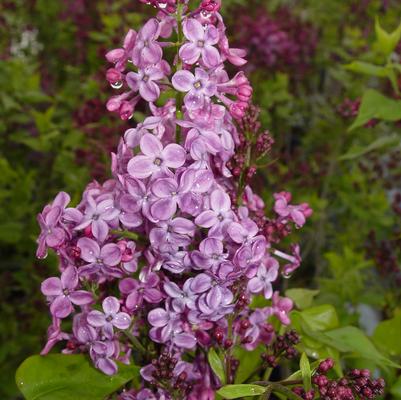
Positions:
{"x": 356, "y": 384}
{"x": 160, "y": 256}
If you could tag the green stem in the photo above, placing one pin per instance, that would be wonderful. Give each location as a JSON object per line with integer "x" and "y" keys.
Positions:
{"x": 135, "y": 342}
{"x": 125, "y": 234}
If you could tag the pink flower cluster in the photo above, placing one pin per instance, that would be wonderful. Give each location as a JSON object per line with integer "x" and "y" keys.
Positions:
{"x": 167, "y": 255}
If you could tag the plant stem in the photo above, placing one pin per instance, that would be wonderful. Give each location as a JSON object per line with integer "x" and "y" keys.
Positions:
{"x": 135, "y": 342}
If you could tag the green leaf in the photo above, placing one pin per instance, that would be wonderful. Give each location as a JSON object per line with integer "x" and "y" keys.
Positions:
{"x": 68, "y": 377}
{"x": 217, "y": 365}
{"x": 378, "y": 144}
{"x": 249, "y": 361}
{"x": 387, "y": 42}
{"x": 353, "y": 340}
{"x": 375, "y": 105}
{"x": 396, "y": 389}
{"x": 302, "y": 298}
{"x": 236, "y": 391}
{"x": 320, "y": 318}
{"x": 387, "y": 335}
{"x": 305, "y": 372}
{"x": 367, "y": 69}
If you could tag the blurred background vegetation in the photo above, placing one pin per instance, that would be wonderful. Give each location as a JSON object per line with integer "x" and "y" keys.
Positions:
{"x": 311, "y": 63}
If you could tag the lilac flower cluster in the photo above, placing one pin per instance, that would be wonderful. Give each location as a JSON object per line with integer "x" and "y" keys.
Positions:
{"x": 167, "y": 255}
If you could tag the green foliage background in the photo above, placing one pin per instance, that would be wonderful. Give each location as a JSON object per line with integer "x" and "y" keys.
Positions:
{"x": 51, "y": 66}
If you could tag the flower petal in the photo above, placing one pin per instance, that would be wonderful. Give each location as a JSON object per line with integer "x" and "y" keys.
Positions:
{"x": 150, "y": 145}
{"x": 158, "y": 317}
{"x": 90, "y": 250}
{"x": 61, "y": 307}
{"x": 183, "y": 81}
{"x": 122, "y": 320}
{"x": 141, "y": 167}
{"x": 111, "y": 254}
{"x": 69, "y": 278}
{"x": 174, "y": 155}
{"x": 96, "y": 318}
{"x": 193, "y": 30}
{"x": 81, "y": 297}
{"x": 189, "y": 53}
{"x": 110, "y": 305}
{"x": 51, "y": 287}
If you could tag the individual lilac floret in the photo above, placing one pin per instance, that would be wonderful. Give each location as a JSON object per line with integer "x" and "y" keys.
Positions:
{"x": 98, "y": 216}
{"x": 62, "y": 293}
{"x": 101, "y": 260}
{"x": 281, "y": 306}
{"x": 297, "y": 214}
{"x": 52, "y": 234}
{"x": 155, "y": 157}
{"x": 220, "y": 213}
{"x": 266, "y": 274}
{"x": 111, "y": 317}
{"x": 200, "y": 44}
{"x": 145, "y": 81}
{"x": 102, "y": 354}
{"x": 147, "y": 51}
{"x": 198, "y": 87}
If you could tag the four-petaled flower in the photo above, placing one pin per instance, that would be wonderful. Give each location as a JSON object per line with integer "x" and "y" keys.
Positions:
{"x": 144, "y": 81}
{"x": 155, "y": 157}
{"x": 62, "y": 293}
{"x": 109, "y": 318}
{"x": 198, "y": 87}
{"x": 147, "y": 51}
{"x": 265, "y": 275}
{"x": 200, "y": 43}
{"x": 100, "y": 259}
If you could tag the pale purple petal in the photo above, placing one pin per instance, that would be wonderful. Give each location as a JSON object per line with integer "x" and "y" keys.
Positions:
{"x": 158, "y": 317}
{"x": 110, "y": 305}
{"x": 201, "y": 283}
{"x": 61, "y": 307}
{"x": 141, "y": 167}
{"x": 255, "y": 285}
{"x": 193, "y": 30}
{"x": 172, "y": 290}
{"x": 100, "y": 229}
{"x": 189, "y": 53}
{"x": 69, "y": 278}
{"x": 185, "y": 340}
{"x": 106, "y": 365}
{"x": 149, "y": 91}
{"x": 150, "y": 145}
{"x": 210, "y": 56}
{"x": 111, "y": 254}
{"x": 220, "y": 201}
{"x": 206, "y": 219}
{"x": 80, "y": 297}
{"x": 90, "y": 250}
{"x": 163, "y": 209}
{"x": 96, "y": 318}
{"x": 174, "y": 155}
{"x": 55, "y": 238}
{"x": 122, "y": 320}
{"x": 51, "y": 287}
{"x": 183, "y": 81}
{"x": 164, "y": 187}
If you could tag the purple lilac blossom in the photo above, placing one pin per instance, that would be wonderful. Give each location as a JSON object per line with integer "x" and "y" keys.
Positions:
{"x": 169, "y": 247}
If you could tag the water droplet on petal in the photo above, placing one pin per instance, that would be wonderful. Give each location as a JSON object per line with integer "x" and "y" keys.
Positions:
{"x": 116, "y": 85}
{"x": 286, "y": 275}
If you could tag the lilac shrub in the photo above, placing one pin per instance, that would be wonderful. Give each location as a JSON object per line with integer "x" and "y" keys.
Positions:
{"x": 160, "y": 263}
